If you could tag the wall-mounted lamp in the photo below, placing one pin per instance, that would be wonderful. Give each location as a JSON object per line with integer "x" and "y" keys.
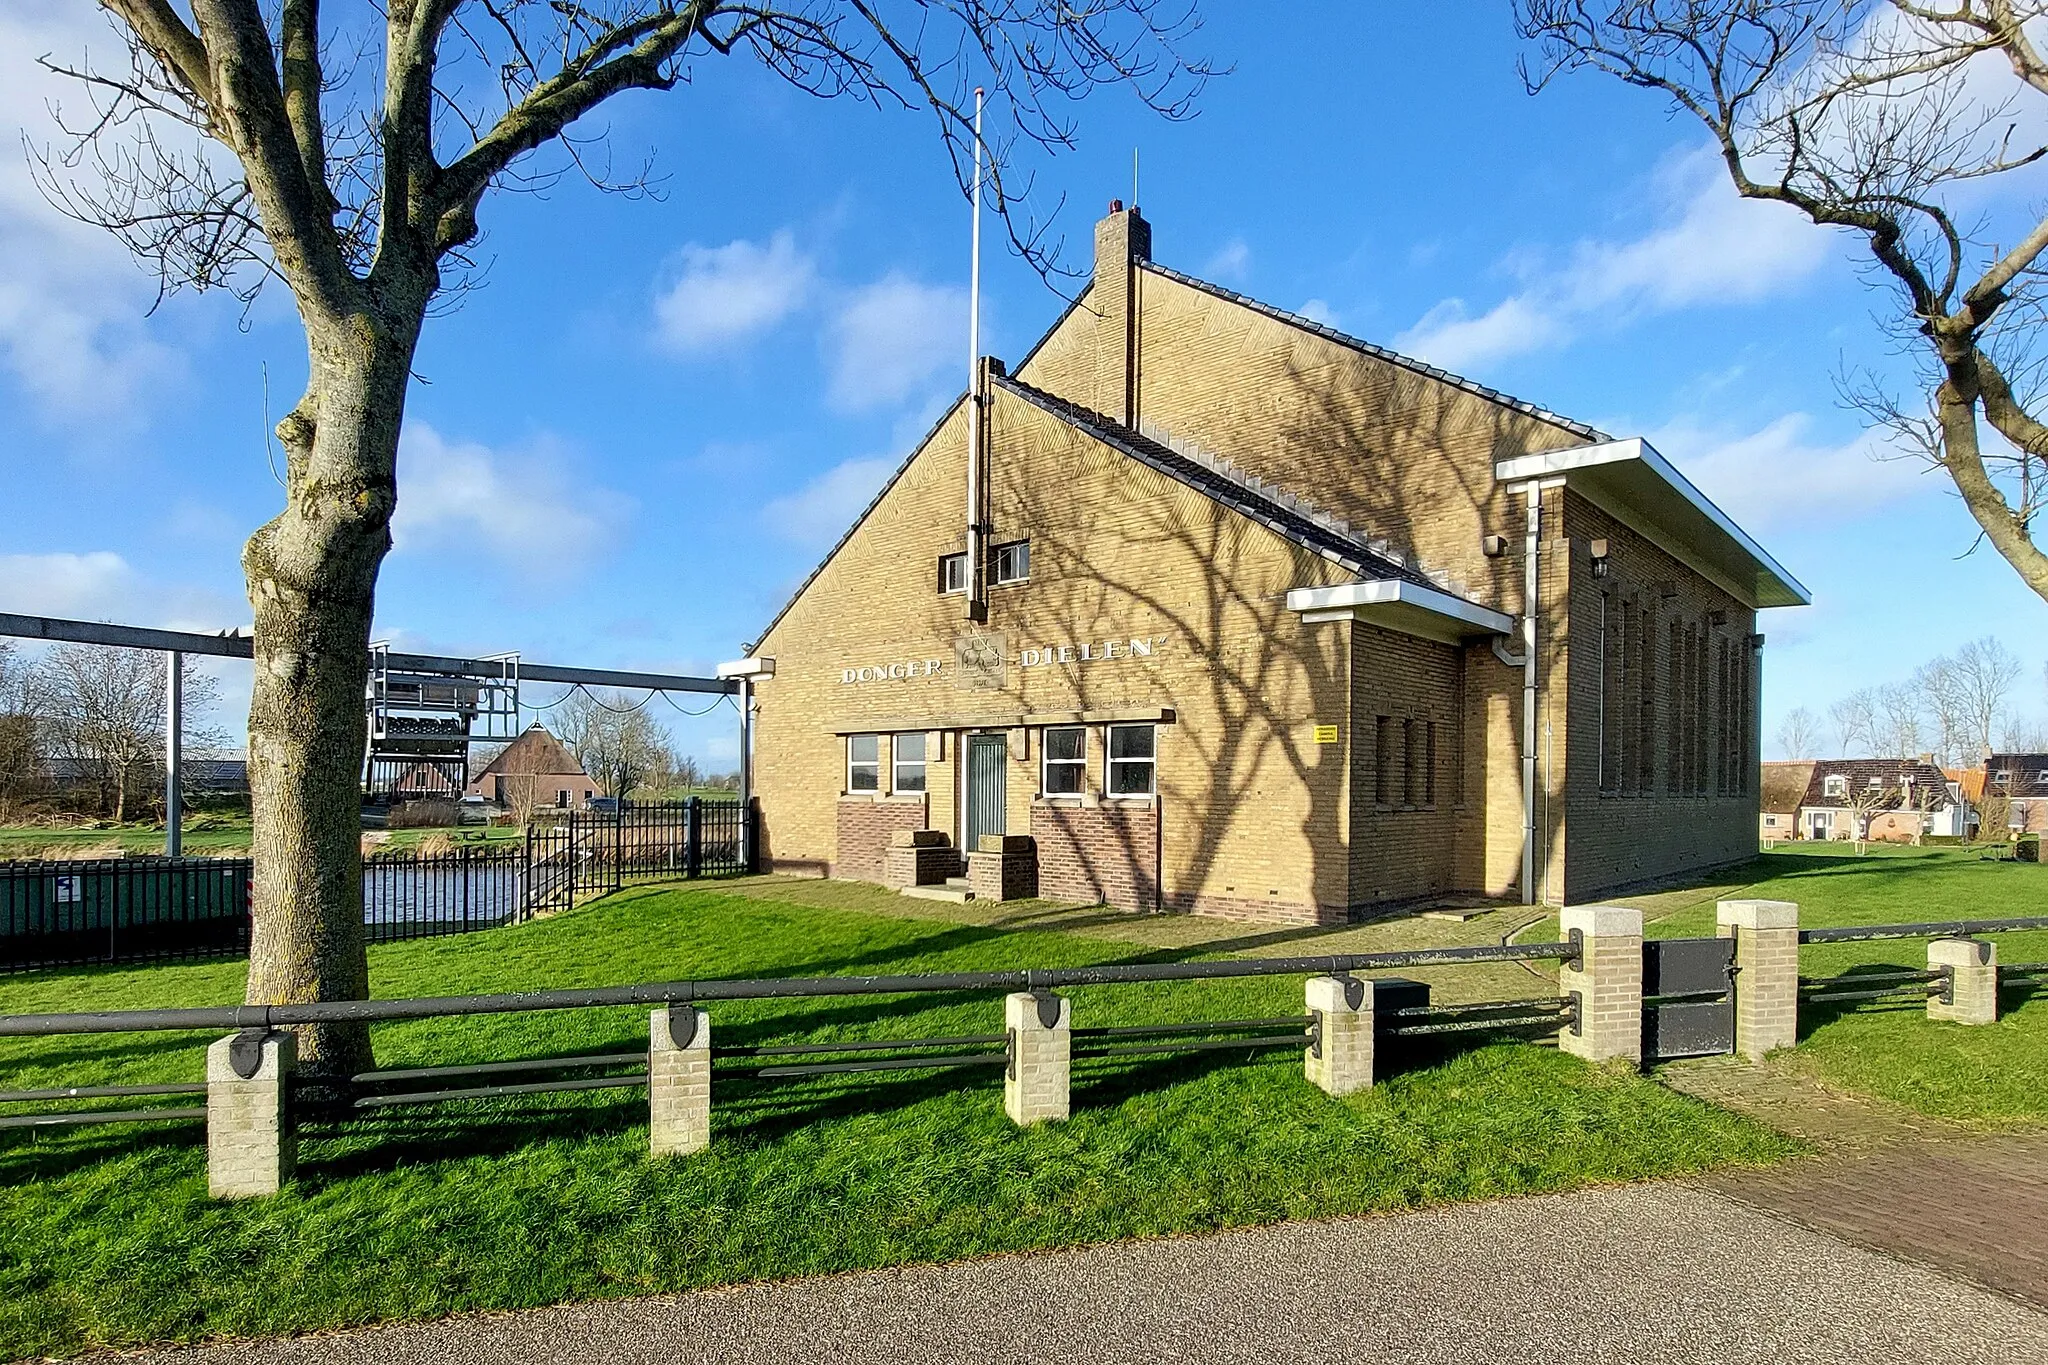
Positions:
{"x": 1493, "y": 547}
{"x": 1598, "y": 548}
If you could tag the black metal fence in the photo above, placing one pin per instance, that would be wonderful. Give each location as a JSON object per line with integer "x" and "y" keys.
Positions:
{"x": 86, "y": 912}
{"x": 63, "y": 912}
{"x": 576, "y": 853}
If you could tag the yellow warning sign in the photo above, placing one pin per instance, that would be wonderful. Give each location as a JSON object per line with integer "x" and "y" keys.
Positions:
{"x": 1326, "y": 734}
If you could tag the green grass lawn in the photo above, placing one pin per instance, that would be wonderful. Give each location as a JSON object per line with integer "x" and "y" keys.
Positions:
{"x": 106, "y": 1236}
{"x": 1994, "y": 1075}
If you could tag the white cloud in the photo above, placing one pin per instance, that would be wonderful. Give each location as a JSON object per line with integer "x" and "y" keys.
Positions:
{"x": 817, "y": 514}
{"x": 892, "y": 338}
{"x": 1714, "y": 248}
{"x": 727, "y": 293}
{"x": 1231, "y": 261}
{"x": 72, "y": 300}
{"x": 100, "y": 585}
{"x": 526, "y": 510}
{"x": 1318, "y": 310}
{"x": 1778, "y": 477}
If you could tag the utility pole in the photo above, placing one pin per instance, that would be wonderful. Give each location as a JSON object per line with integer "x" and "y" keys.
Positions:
{"x": 174, "y": 747}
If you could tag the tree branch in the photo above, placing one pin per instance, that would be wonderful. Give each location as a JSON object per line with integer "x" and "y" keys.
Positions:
{"x": 176, "y": 46}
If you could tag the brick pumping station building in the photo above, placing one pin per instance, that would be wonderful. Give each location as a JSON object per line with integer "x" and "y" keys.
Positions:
{"x": 1223, "y": 611}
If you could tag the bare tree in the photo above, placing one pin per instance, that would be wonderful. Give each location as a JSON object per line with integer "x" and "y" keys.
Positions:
{"x": 102, "y": 709}
{"x": 20, "y": 753}
{"x": 1854, "y": 719}
{"x": 350, "y": 162}
{"x": 1984, "y": 673}
{"x": 1940, "y": 687}
{"x": 1860, "y": 114}
{"x": 1898, "y": 732}
{"x": 614, "y": 739}
{"x": 1799, "y": 733}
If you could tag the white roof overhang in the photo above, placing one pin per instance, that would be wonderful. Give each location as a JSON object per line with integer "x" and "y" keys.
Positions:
{"x": 1399, "y": 605}
{"x": 1631, "y": 482}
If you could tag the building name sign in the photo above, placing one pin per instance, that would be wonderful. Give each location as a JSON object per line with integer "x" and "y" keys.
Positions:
{"x": 1091, "y": 651}
{"x": 982, "y": 659}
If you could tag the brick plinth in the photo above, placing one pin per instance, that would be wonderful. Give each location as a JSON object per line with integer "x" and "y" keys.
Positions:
{"x": 1006, "y": 872}
{"x": 1340, "y": 1062}
{"x": 1041, "y": 1056}
{"x": 1973, "y": 969}
{"x": 1766, "y": 935}
{"x": 867, "y": 827}
{"x": 251, "y": 1148}
{"x": 1106, "y": 854}
{"x": 1608, "y": 979}
{"x": 678, "y": 1084}
{"x": 920, "y": 865}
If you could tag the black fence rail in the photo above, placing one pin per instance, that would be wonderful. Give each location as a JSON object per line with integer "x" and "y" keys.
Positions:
{"x": 577, "y": 853}
{"x": 64, "y": 912}
{"x": 769, "y": 1061}
{"x": 1954, "y": 928}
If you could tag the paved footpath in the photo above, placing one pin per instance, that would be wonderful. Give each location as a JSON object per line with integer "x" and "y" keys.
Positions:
{"x": 1641, "y": 1273}
{"x": 1972, "y": 1204}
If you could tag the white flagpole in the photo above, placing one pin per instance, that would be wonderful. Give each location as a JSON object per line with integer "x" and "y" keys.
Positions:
{"x": 975, "y": 397}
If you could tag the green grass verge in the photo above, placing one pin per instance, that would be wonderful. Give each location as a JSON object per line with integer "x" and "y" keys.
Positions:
{"x": 1992, "y": 1075}
{"x": 106, "y": 1238}
{"x": 203, "y": 836}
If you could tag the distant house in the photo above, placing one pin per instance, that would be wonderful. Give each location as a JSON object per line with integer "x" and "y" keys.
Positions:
{"x": 1885, "y": 799}
{"x": 1782, "y": 793}
{"x": 536, "y": 768}
{"x": 2018, "y": 782}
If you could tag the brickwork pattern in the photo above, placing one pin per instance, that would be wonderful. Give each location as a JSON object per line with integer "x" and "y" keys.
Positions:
{"x": 1039, "y": 1082}
{"x": 1007, "y": 876}
{"x": 1342, "y": 1063}
{"x": 1766, "y": 935}
{"x": 1106, "y": 854}
{"x": 1626, "y": 822}
{"x": 1973, "y": 968}
{"x": 251, "y": 1146}
{"x": 867, "y": 827}
{"x": 1608, "y": 982}
{"x": 678, "y": 1087}
{"x": 1255, "y": 817}
{"x": 920, "y": 865}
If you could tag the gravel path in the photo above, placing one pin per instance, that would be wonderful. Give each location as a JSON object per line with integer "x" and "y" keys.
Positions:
{"x": 1644, "y": 1273}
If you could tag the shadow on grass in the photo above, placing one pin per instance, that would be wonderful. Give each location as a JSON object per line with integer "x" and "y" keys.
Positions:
{"x": 1818, "y": 1014}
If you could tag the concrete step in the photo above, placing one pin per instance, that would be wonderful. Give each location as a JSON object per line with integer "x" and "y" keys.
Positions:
{"x": 959, "y": 883}
{"x": 958, "y": 895}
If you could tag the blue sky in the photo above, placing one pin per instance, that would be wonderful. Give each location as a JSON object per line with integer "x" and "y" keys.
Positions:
{"x": 687, "y": 400}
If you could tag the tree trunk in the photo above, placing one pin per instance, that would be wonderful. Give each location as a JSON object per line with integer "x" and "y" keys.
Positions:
{"x": 312, "y": 575}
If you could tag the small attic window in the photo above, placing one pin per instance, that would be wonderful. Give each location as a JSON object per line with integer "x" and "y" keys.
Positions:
{"x": 1835, "y": 785}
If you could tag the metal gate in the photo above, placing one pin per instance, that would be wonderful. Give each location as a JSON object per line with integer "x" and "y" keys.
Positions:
{"x": 987, "y": 755}
{"x": 1688, "y": 997}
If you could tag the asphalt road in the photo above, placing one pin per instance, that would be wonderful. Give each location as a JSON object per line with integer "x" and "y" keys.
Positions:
{"x": 1645, "y": 1273}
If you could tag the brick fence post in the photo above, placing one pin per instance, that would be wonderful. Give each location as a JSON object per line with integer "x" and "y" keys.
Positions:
{"x": 251, "y": 1148}
{"x": 678, "y": 1081}
{"x": 1340, "y": 1060}
{"x": 1766, "y": 935}
{"x": 1608, "y": 981}
{"x": 1973, "y": 980}
{"x": 1040, "y": 1026}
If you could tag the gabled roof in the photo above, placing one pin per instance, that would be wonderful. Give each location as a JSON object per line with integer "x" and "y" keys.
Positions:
{"x": 534, "y": 752}
{"x": 2023, "y": 775}
{"x": 1456, "y": 381}
{"x": 1784, "y": 786}
{"x": 1890, "y": 775}
{"x": 1348, "y": 551}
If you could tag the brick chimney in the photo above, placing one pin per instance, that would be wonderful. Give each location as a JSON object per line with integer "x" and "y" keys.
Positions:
{"x": 1121, "y": 241}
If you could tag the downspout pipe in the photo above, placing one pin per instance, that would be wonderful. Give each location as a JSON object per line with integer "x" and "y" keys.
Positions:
{"x": 1532, "y": 608}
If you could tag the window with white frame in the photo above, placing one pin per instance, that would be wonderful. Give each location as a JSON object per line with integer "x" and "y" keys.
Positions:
{"x": 952, "y": 573}
{"x": 1010, "y": 563}
{"x": 1133, "y": 750}
{"x": 909, "y": 754}
{"x": 1834, "y": 785}
{"x": 863, "y": 763}
{"x": 1065, "y": 757}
